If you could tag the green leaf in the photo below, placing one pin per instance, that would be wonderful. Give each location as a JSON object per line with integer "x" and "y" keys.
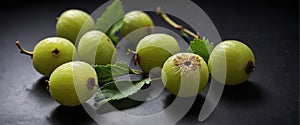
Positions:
{"x": 202, "y": 47}
{"x": 118, "y": 90}
{"x": 209, "y": 45}
{"x": 106, "y": 73}
{"x": 110, "y": 16}
{"x": 112, "y": 31}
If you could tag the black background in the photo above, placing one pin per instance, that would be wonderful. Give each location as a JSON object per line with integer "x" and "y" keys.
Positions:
{"x": 270, "y": 28}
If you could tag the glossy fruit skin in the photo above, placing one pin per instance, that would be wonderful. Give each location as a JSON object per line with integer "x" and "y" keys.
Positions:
{"x": 134, "y": 20}
{"x": 73, "y": 23}
{"x": 50, "y": 53}
{"x": 174, "y": 69}
{"x": 95, "y": 47}
{"x": 73, "y": 83}
{"x": 237, "y": 56}
{"x": 154, "y": 49}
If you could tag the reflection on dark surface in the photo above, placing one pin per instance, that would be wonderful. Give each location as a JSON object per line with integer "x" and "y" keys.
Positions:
{"x": 196, "y": 107}
{"x": 39, "y": 90}
{"x": 192, "y": 114}
{"x": 246, "y": 92}
{"x": 121, "y": 104}
{"x": 169, "y": 99}
{"x": 64, "y": 115}
{"x": 198, "y": 101}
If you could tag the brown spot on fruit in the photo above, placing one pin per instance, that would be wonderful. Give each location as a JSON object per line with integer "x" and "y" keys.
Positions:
{"x": 55, "y": 53}
{"x": 108, "y": 40}
{"x": 91, "y": 83}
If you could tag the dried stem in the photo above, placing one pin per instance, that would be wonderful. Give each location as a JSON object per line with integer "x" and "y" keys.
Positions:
{"x": 175, "y": 25}
{"x": 136, "y": 57}
{"x": 23, "y": 51}
{"x": 130, "y": 51}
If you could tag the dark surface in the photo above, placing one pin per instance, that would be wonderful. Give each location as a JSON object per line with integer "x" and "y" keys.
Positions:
{"x": 271, "y": 96}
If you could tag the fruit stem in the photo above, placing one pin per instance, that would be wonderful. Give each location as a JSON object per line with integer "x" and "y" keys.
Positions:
{"x": 131, "y": 51}
{"x": 175, "y": 25}
{"x": 137, "y": 72}
{"x": 23, "y": 51}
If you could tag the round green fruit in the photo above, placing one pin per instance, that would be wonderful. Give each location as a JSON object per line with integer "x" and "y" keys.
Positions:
{"x": 73, "y": 23}
{"x": 231, "y": 62}
{"x": 134, "y": 20}
{"x": 73, "y": 83}
{"x": 185, "y": 74}
{"x": 153, "y": 50}
{"x": 96, "y": 48}
{"x": 50, "y": 53}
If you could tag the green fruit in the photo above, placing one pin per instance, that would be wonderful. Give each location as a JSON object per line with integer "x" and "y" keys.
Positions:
{"x": 73, "y": 83}
{"x": 73, "y": 23}
{"x": 185, "y": 74}
{"x": 231, "y": 62}
{"x": 96, "y": 48}
{"x": 50, "y": 53}
{"x": 153, "y": 50}
{"x": 134, "y": 20}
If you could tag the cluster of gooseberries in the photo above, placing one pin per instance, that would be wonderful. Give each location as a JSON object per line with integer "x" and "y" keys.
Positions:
{"x": 73, "y": 82}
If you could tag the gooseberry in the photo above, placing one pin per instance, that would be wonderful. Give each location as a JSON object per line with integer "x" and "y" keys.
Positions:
{"x": 95, "y": 47}
{"x": 73, "y": 83}
{"x": 72, "y": 23}
{"x": 238, "y": 60}
{"x": 50, "y": 53}
{"x": 134, "y": 20}
{"x": 154, "y": 49}
{"x": 185, "y": 74}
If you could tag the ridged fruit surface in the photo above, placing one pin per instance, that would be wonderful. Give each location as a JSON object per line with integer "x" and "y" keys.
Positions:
{"x": 185, "y": 74}
{"x": 231, "y": 62}
{"x": 95, "y": 47}
{"x": 153, "y": 50}
{"x": 52, "y": 52}
{"x": 72, "y": 23}
{"x": 134, "y": 20}
{"x": 73, "y": 83}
